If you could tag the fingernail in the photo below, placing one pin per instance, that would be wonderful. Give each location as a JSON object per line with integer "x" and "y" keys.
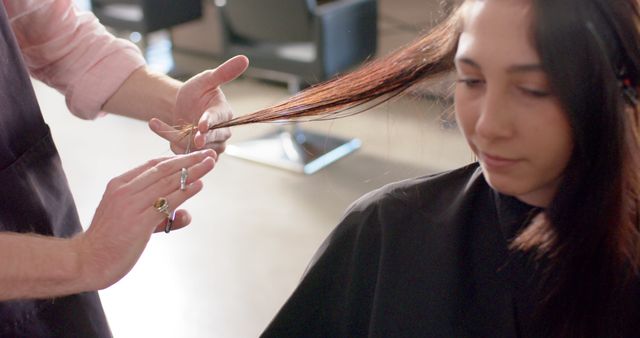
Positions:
{"x": 198, "y": 140}
{"x": 211, "y": 159}
{"x": 204, "y": 125}
{"x": 208, "y": 152}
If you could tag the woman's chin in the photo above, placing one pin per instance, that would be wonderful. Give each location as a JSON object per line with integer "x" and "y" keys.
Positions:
{"x": 506, "y": 185}
{"x": 521, "y": 191}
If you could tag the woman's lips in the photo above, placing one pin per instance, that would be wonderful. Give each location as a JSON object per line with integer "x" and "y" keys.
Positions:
{"x": 496, "y": 162}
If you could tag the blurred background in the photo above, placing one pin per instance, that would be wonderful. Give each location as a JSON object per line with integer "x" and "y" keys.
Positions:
{"x": 257, "y": 223}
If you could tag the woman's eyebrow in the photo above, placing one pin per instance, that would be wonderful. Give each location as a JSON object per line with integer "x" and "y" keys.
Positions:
{"x": 518, "y": 68}
{"x": 525, "y": 68}
{"x": 467, "y": 61}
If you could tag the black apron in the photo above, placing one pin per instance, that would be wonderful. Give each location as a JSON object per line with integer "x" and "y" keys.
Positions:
{"x": 35, "y": 198}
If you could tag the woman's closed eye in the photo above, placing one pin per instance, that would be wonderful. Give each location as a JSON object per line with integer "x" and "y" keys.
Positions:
{"x": 534, "y": 92}
{"x": 470, "y": 82}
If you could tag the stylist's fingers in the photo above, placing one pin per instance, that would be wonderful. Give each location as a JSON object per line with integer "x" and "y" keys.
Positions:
{"x": 181, "y": 219}
{"x": 169, "y": 189}
{"x": 219, "y": 135}
{"x": 224, "y": 73}
{"x": 213, "y": 116}
{"x": 216, "y": 140}
{"x": 219, "y": 147}
{"x": 176, "y": 139}
{"x": 129, "y": 175}
{"x": 200, "y": 139}
{"x": 170, "y": 184}
{"x": 167, "y": 168}
{"x": 174, "y": 200}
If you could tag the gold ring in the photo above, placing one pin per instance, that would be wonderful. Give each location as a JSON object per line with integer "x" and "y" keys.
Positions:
{"x": 162, "y": 205}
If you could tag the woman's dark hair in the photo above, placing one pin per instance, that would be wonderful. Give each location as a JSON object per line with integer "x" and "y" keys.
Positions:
{"x": 590, "y": 51}
{"x": 588, "y": 239}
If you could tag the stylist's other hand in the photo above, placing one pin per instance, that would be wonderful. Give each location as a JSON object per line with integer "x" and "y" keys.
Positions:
{"x": 201, "y": 101}
{"x": 125, "y": 218}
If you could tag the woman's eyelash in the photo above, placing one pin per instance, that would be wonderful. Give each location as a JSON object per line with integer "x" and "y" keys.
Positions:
{"x": 470, "y": 82}
{"x": 534, "y": 92}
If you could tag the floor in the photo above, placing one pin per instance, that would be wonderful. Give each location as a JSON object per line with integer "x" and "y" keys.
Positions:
{"x": 254, "y": 227}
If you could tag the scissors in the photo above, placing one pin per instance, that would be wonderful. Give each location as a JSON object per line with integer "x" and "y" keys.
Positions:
{"x": 184, "y": 174}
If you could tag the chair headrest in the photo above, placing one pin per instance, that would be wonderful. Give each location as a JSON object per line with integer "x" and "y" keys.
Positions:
{"x": 270, "y": 20}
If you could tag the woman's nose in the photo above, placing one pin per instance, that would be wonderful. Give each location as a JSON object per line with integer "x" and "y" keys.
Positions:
{"x": 495, "y": 118}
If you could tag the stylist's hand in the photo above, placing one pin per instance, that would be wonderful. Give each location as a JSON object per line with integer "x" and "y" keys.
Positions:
{"x": 126, "y": 218}
{"x": 200, "y": 101}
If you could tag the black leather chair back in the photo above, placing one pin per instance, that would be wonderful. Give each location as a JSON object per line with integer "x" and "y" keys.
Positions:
{"x": 307, "y": 40}
{"x": 270, "y": 20}
{"x": 155, "y": 14}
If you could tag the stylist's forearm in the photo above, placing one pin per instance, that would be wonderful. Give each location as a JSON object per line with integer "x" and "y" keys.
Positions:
{"x": 144, "y": 95}
{"x": 34, "y": 266}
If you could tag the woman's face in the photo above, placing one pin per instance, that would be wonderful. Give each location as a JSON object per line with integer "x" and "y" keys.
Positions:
{"x": 509, "y": 117}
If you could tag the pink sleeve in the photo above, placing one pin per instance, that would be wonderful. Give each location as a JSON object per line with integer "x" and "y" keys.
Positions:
{"x": 72, "y": 52}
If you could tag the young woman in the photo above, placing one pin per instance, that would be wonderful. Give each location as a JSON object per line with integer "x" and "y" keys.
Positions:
{"x": 540, "y": 237}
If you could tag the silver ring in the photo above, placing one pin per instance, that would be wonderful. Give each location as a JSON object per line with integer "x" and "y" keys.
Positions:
{"x": 183, "y": 179}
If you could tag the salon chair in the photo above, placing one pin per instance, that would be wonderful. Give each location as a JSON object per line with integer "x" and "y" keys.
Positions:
{"x": 299, "y": 42}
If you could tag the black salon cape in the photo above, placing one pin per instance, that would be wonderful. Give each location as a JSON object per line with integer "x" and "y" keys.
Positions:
{"x": 425, "y": 257}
